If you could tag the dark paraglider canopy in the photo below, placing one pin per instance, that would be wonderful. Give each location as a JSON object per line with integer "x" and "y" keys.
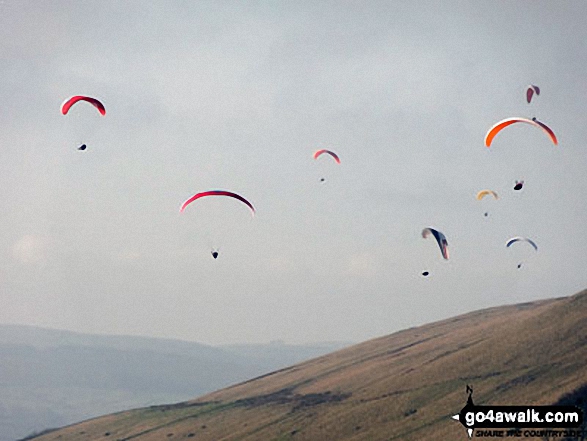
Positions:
{"x": 214, "y": 254}
{"x": 532, "y": 89}
{"x": 519, "y": 239}
{"x": 516, "y": 239}
{"x": 440, "y": 239}
{"x": 519, "y": 185}
{"x": 425, "y": 273}
{"x": 82, "y": 147}
{"x": 322, "y": 179}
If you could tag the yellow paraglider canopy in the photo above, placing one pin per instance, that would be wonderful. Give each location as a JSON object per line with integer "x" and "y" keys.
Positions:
{"x": 484, "y": 193}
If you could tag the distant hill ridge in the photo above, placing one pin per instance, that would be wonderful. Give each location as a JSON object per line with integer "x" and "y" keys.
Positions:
{"x": 50, "y": 378}
{"x": 402, "y": 386}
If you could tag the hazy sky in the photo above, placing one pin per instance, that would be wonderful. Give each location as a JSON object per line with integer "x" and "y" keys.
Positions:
{"x": 238, "y": 95}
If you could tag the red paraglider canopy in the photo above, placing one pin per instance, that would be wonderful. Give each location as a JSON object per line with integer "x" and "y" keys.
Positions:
{"x": 331, "y": 153}
{"x": 74, "y": 99}
{"x": 216, "y": 193}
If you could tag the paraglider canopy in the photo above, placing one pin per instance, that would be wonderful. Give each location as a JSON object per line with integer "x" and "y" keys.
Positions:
{"x": 82, "y": 147}
{"x": 518, "y": 185}
{"x": 217, "y": 193}
{"x": 331, "y": 153}
{"x": 215, "y": 251}
{"x": 531, "y": 91}
{"x": 484, "y": 193}
{"x": 440, "y": 239}
{"x": 425, "y": 273}
{"x": 495, "y": 129}
{"x": 74, "y": 99}
{"x": 513, "y": 240}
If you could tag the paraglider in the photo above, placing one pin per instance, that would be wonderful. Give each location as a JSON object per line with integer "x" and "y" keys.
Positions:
{"x": 531, "y": 91}
{"x": 425, "y": 273}
{"x": 331, "y": 153}
{"x": 440, "y": 239}
{"x": 216, "y": 251}
{"x": 66, "y": 105}
{"x": 216, "y": 193}
{"x": 495, "y": 129}
{"x": 518, "y": 185}
{"x": 484, "y": 193}
{"x": 74, "y": 99}
{"x": 318, "y": 153}
{"x": 513, "y": 240}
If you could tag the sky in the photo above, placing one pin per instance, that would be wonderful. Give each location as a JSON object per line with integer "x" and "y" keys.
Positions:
{"x": 204, "y": 95}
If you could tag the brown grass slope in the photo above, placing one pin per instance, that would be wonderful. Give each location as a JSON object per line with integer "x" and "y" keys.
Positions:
{"x": 402, "y": 386}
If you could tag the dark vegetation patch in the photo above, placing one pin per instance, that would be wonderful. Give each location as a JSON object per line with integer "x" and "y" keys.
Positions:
{"x": 578, "y": 398}
{"x": 179, "y": 406}
{"x": 310, "y": 400}
{"x": 385, "y": 395}
{"x": 283, "y": 396}
{"x": 518, "y": 381}
{"x": 298, "y": 401}
{"x": 482, "y": 376}
{"x": 409, "y": 412}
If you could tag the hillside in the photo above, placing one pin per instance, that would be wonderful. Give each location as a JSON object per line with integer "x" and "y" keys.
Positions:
{"x": 50, "y": 378}
{"x": 402, "y": 386}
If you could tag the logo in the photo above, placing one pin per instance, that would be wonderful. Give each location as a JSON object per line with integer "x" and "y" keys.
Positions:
{"x": 520, "y": 421}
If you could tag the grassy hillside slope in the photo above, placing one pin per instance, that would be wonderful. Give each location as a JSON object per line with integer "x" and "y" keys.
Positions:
{"x": 402, "y": 386}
